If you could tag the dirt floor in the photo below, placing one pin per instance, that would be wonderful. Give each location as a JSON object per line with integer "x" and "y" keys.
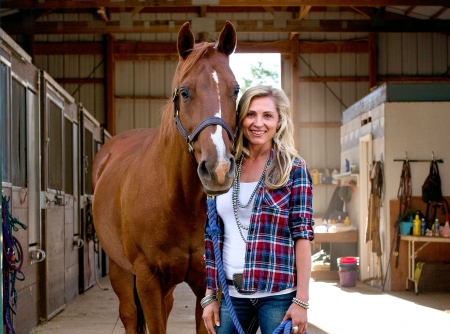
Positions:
{"x": 360, "y": 310}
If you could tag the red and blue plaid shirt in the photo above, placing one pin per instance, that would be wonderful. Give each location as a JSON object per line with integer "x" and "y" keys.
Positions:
{"x": 278, "y": 218}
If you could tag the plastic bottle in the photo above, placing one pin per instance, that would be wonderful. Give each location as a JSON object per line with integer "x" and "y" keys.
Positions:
{"x": 334, "y": 180}
{"x": 416, "y": 228}
{"x": 436, "y": 228}
{"x": 347, "y": 221}
{"x": 423, "y": 227}
{"x": 325, "y": 223}
{"x": 446, "y": 229}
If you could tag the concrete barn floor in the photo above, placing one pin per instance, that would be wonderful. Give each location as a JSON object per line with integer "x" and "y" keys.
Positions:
{"x": 362, "y": 309}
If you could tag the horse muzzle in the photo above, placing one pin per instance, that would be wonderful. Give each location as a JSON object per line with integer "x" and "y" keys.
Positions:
{"x": 217, "y": 178}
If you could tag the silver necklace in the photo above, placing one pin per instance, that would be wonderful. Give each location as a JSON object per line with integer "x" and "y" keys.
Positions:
{"x": 235, "y": 195}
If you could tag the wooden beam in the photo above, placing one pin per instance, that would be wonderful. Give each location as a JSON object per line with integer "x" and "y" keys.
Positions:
{"x": 27, "y": 4}
{"x": 143, "y": 98}
{"x": 410, "y": 10}
{"x": 319, "y": 125}
{"x": 80, "y": 81}
{"x": 405, "y": 78}
{"x": 255, "y": 26}
{"x": 295, "y": 114}
{"x": 143, "y": 57}
{"x": 373, "y": 60}
{"x": 362, "y": 12}
{"x": 140, "y": 49}
{"x": 136, "y": 10}
{"x": 110, "y": 86}
{"x": 304, "y": 10}
{"x": 439, "y": 13}
{"x": 268, "y": 9}
{"x": 74, "y": 48}
{"x": 333, "y": 79}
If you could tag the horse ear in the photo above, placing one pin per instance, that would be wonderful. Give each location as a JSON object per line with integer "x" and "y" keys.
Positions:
{"x": 186, "y": 41}
{"x": 227, "y": 39}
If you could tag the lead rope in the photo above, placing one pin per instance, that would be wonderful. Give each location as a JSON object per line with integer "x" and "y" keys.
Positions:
{"x": 213, "y": 231}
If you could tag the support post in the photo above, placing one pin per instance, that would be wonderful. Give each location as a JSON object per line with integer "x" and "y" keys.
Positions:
{"x": 294, "y": 87}
{"x": 110, "y": 86}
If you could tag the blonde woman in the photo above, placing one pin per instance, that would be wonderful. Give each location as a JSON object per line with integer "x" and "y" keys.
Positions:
{"x": 266, "y": 221}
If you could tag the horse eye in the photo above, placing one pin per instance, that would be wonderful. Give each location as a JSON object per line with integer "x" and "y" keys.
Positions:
{"x": 184, "y": 93}
{"x": 236, "y": 91}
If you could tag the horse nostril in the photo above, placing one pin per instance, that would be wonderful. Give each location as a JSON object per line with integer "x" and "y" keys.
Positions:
{"x": 203, "y": 170}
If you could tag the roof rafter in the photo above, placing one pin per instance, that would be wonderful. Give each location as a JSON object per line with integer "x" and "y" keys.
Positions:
{"x": 24, "y": 4}
{"x": 256, "y": 26}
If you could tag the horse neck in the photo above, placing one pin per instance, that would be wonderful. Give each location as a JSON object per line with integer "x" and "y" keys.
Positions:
{"x": 179, "y": 164}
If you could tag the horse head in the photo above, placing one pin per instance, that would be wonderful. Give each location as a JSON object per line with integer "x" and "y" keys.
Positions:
{"x": 204, "y": 99}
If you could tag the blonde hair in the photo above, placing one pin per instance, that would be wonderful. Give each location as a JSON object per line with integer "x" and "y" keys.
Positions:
{"x": 283, "y": 142}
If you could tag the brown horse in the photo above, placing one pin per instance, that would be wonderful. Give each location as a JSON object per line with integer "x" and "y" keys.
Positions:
{"x": 149, "y": 202}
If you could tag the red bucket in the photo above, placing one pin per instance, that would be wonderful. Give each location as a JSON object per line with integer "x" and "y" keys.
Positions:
{"x": 347, "y": 260}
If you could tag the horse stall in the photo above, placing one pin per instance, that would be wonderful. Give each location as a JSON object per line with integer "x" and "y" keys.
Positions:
{"x": 48, "y": 142}
{"x": 92, "y": 259}
{"x": 21, "y": 181}
{"x": 59, "y": 272}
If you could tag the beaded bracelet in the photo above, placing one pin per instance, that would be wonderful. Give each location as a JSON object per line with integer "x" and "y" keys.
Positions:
{"x": 303, "y": 304}
{"x": 208, "y": 300}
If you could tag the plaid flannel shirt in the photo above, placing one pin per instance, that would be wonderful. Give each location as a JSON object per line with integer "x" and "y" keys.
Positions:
{"x": 278, "y": 218}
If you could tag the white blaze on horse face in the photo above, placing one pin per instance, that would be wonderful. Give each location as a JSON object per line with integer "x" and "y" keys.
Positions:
{"x": 223, "y": 164}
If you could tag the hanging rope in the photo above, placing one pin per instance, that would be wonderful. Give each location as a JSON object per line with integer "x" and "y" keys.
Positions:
{"x": 213, "y": 231}
{"x": 12, "y": 263}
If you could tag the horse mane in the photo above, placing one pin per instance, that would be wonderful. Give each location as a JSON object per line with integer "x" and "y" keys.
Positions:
{"x": 184, "y": 66}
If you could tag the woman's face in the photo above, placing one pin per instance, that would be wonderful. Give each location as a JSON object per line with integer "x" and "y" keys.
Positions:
{"x": 261, "y": 122}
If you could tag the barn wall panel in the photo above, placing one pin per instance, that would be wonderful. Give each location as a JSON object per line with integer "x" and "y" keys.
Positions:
{"x": 425, "y": 52}
{"x": 440, "y": 56}
{"x": 124, "y": 115}
{"x": 333, "y": 106}
{"x": 412, "y": 54}
{"x": 409, "y": 54}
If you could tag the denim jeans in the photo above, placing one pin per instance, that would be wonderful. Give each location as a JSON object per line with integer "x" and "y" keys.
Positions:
{"x": 266, "y": 313}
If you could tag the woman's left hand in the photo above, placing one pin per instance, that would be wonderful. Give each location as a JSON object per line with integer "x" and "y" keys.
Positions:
{"x": 299, "y": 318}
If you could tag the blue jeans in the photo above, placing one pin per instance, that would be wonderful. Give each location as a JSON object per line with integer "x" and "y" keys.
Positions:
{"x": 267, "y": 313}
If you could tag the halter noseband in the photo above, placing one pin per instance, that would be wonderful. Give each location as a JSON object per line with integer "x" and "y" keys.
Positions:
{"x": 191, "y": 138}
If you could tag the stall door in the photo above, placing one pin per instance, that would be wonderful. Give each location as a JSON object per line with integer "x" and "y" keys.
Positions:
{"x": 91, "y": 259}
{"x": 53, "y": 198}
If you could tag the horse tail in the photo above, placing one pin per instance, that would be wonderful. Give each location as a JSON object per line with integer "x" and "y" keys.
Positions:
{"x": 141, "y": 326}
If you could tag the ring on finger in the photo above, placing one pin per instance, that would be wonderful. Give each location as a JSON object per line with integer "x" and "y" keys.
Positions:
{"x": 294, "y": 329}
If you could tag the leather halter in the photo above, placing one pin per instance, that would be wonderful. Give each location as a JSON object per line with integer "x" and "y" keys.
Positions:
{"x": 191, "y": 138}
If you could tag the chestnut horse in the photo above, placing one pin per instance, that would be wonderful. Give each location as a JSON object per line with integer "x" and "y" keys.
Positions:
{"x": 149, "y": 204}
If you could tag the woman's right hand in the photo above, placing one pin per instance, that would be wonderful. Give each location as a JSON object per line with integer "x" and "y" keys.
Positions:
{"x": 211, "y": 315}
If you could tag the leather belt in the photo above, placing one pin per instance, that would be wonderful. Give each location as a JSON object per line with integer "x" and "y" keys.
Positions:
{"x": 229, "y": 281}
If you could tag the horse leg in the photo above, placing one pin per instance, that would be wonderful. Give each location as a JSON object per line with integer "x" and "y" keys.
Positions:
{"x": 156, "y": 299}
{"x": 199, "y": 325}
{"x": 122, "y": 282}
{"x": 199, "y": 289}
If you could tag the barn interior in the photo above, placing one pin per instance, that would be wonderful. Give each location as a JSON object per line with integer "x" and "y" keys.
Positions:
{"x": 369, "y": 84}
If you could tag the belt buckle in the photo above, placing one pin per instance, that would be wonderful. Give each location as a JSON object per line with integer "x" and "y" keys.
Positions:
{"x": 237, "y": 283}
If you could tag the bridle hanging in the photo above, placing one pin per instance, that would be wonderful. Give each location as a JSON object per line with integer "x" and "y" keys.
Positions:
{"x": 191, "y": 138}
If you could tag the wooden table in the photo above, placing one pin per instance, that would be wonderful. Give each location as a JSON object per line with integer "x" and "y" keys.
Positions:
{"x": 412, "y": 254}
{"x": 334, "y": 238}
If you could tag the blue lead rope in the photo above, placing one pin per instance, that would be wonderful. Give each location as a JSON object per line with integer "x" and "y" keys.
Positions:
{"x": 213, "y": 230}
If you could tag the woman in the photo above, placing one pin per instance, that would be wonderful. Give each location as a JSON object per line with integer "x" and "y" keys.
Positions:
{"x": 266, "y": 219}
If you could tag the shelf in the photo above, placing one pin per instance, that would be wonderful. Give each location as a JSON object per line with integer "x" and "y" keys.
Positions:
{"x": 336, "y": 237}
{"x": 345, "y": 178}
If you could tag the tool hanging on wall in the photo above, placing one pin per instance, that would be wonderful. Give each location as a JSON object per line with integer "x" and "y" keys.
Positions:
{"x": 432, "y": 193}
{"x": 373, "y": 221}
